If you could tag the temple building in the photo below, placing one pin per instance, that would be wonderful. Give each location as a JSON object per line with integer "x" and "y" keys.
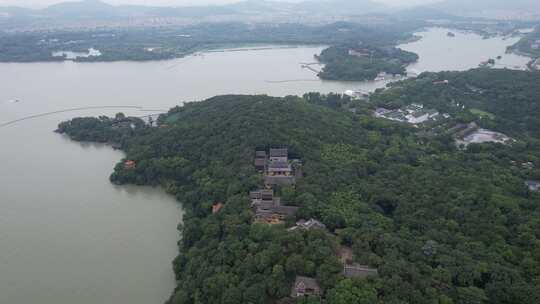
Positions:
{"x": 260, "y": 160}
{"x": 280, "y": 155}
{"x": 280, "y": 170}
{"x": 269, "y": 209}
{"x": 304, "y": 286}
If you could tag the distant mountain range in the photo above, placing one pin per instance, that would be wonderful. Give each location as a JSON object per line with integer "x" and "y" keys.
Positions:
{"x": 98, "y": 9}
{"x": 95, "y": 9}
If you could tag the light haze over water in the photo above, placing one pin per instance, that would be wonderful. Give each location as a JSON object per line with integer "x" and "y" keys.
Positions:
{"x": 43, "y": 3}
{"x": 67, "y": 235}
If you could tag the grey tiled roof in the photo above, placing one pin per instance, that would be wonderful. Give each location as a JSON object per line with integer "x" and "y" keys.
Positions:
{"x": 279, "y": 165}
{"x": 305, "y": 286}
{"x": 533, "y": 185}
{"x": 260, "y": 154}
{"x": 279, "y": 152}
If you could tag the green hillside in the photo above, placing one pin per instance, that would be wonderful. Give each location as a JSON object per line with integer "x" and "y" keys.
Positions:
{"x": 441, "y": 225}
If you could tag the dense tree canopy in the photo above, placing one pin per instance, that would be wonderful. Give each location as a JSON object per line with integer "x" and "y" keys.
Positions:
{"x": 442, "y": 225}
{"x": 340, "y": 64}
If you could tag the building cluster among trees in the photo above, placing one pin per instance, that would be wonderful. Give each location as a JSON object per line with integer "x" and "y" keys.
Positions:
{"x": 268, "y": 209}
{"x": 435, "y": 223}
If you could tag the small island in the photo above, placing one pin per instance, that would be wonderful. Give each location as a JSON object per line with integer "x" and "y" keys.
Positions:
{"x": 360, "y": 63}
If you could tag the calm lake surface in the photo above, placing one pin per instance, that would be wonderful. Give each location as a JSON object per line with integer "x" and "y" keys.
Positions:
{"x": 439, "y": 52}
{"x": 66, "y": 234}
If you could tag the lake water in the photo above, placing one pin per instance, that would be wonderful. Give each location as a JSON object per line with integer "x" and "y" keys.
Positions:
{"x": 66, "y": 234}
{"x": 439, "y": 52}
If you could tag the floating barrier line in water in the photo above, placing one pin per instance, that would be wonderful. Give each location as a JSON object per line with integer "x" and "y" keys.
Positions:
{"x": 291, "y": 80}
{"x": 5, "y": 124}
{"x": 153, "y": 110}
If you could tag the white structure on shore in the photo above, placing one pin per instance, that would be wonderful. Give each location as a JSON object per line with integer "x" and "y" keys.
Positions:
{"x": 413, "y": 114}
{"x": 533, "y": 185}
{"x": 357, "y": 94}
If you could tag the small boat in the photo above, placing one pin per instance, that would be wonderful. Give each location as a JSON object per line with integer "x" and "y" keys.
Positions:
{"x": 381, "y": 76}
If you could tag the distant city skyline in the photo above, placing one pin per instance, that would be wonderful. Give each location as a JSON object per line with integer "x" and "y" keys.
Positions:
{"x": 44, "y": 3}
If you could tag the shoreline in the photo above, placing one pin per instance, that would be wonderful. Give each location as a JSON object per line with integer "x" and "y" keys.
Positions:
{"x": 240, "y": 47}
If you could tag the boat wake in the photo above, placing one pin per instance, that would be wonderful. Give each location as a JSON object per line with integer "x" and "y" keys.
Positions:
{"x": 11, "y": 101}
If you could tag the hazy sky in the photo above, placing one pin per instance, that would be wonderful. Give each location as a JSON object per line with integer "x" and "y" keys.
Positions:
{"x": 42, "y": 3}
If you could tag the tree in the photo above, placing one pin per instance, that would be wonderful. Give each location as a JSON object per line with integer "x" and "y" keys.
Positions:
{"x": 278, "y": 285}
{"x": 471, "y": 295}
{"x": 348, "y": 291}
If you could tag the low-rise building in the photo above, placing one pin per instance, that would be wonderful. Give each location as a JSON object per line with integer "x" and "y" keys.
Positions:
{"x": 413, "y": 114}
{"x": 279, "y": 169}
{"x": 304, "y": 286}
{"x": 280, "y": 155}
{"x": 414, "y": 107}
{"x": 421, "y": 116}
{"x": 357, "y": 94}
{"x": 260, "y": 160}
{"x": 269, "y": 209}
{"x": 264, "y": 194}
{"x": 441, "y": 82}
{"x": 381, "y": 76}
{"x": 308, "y": 225}
{"x": 533, "y": 185}
{"x": 130, "y": 164}
{"x": 279, "y": 180}
{"x": 360, "y": 52}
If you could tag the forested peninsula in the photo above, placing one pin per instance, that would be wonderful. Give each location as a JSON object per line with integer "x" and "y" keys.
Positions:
{"x": 440, "y": 223}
